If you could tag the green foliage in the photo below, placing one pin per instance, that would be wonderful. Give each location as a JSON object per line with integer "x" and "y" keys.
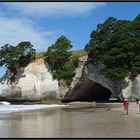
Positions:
{"x": 58, "y": 53}
{"x": 14, "y": 57}
{"x": 75, "y": 61}
{"x": 116, "y": 44}
{"x": 62, "y": 44}
{"x": 59, "y": 59}
{"x": 79, "y": 53}
{"x": 66, "y": 72}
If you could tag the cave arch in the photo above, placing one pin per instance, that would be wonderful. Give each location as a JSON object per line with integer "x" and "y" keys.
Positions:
{"x": 95, "y": 92}
{"x": 88, "y": 90}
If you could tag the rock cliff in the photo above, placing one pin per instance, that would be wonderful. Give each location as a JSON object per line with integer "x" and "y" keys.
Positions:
{"x": 35, "y": 82}
{"x": 32, "y": 82}
{"x": 95, "y": 86}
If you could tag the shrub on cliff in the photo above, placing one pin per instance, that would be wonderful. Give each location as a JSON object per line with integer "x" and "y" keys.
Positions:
{"x": 116, "y": 45}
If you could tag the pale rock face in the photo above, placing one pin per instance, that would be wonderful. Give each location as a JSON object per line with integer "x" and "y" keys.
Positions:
{"x": 131, "y": 88}
{"x": 78, "y": 75}
{"x": 126, "y": 88}
{"x": 36, "y": 82}
{"x": 63, "y": 90}
{"x": 78, "y": 72}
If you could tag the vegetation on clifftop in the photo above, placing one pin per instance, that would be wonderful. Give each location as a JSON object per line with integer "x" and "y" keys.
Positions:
{"x": 79, "y": 53}
{"x": 14, "y": 57}
{"x": 60, "y": 60}
{"x": 116, "y": 45}
{"x": 59, "y": 56}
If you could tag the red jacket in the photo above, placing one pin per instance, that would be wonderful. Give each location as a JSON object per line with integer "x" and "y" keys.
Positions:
{"x": 125, "y": 104}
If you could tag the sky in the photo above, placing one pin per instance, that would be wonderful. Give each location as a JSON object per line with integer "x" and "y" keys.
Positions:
{"x": 42, "y": 23}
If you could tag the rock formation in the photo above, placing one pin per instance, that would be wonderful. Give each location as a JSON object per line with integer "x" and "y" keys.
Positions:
{"x": 92, "y": 86}
{"x": 95, "y": 86}
{"x": 33, "y": 82}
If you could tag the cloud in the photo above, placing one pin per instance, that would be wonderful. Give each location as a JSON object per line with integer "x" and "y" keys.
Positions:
{"x": 13, "y": 31}
{"x": 16, "y": 24}
{"x": 53, "y": 9}
{"x": 17, "y": 21}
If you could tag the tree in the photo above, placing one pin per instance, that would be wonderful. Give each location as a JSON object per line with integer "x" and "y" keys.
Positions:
{"x": 58, "y": 53}
{"x": 13, "y": 57}
{"x": 66, "y": 72}
{"x": 116, "y": 45}
{"x": 59, "y": 59}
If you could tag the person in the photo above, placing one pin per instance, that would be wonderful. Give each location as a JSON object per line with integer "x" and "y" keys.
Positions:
{"x": 139, "y": 104}
{"x": 137, "y": 101}
{"x": 126, "y": 105}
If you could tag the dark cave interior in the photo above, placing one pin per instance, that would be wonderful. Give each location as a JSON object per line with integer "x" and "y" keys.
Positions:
{"x": 95, "y": 92}
{"x": 88, "y": 90}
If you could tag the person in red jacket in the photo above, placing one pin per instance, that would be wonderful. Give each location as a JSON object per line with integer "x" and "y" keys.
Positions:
{"x": 126, "y": 105}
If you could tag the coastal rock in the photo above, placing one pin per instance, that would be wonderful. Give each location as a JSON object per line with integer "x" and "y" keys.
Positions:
{"x": 95, "y": 86}
{"x": 33, "y": 82}
{"x": 131, "y": 88}
{"x": 63, "y": 88}
{"x": 78, "y": 75}
{"x": 92, "y": 86}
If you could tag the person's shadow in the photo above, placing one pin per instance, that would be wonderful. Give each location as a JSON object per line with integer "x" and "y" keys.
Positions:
{"x": 125, "y": 114}
{"x": 138, "y": 113}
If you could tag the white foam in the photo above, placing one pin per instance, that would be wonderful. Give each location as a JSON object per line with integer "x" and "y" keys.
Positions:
{"x": 16, "y": 108}
{"x": 4, "y": 103}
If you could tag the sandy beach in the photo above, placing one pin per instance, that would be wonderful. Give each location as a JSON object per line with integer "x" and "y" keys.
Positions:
{"x": 106, "y": 120}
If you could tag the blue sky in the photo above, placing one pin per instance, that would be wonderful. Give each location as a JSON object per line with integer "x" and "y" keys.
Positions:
{"x": 42, "y": 23}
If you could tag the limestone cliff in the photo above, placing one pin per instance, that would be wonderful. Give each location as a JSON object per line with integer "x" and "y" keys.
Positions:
{"x": 32, "y": 82}
{"x": 35, "y": 82}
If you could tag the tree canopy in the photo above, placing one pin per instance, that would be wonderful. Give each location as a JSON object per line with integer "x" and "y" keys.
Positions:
{"x": 13, "y": 57}
{"x": 58, "y": 53}
{"x": 59, "y": 59}
{"x": 116, "y": 45}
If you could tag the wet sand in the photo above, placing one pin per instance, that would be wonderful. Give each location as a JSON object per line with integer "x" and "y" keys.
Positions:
{"x": 103, "y": 121}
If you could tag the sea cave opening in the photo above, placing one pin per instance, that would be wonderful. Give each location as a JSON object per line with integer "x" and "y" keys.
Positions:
{"x": 88, "y": 90}
{"x": 95, "y": 92}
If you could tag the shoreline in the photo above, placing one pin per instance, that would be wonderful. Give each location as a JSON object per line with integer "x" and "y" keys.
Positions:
{"x": 104, "y": 120}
